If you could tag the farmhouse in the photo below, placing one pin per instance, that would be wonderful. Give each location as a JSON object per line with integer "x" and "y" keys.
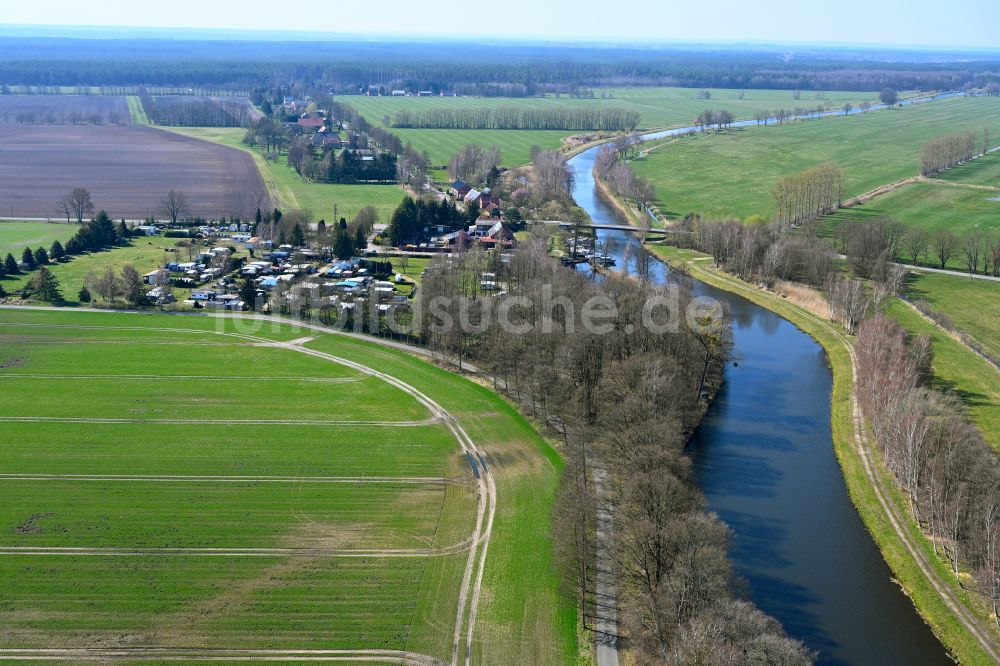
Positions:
{"x": 324, "y": 138}
{"x": 314, "y": 123}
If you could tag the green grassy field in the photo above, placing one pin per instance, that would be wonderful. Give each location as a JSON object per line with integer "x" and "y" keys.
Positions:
{"x": 958, "y": 370}
{"x": 15, "y": 236}
{"x": 658, "y": 107}
{"x": 974, "y": 305}
{"x": 290, "y": 191}
{"x": 983, "y": 171}
{"x": 145, "y": 253}
{"x": 515, "y": 145}
{"x": 158, "y": 486}
{"x": 135, "y": 109}
{"x": 932, "y": 206}
{"x": 730, "y": 174}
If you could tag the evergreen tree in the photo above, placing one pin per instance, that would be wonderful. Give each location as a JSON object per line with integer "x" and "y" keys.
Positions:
{"x": 360, "y": 240}
{"x": 28, "y": 259}
{"x": 41, "y": 256}
{"x": 343, "y": 246}
{"x": 248, "y": 292}
{"x": 3, "y": 292}
{"x": 123, "y": 232}
{"x": 277, "y": 216}
{"x": 74, "y": 246}
{"x": 45, "y": 286}
{"x": 84, "y": 295}
{"x": 257, "y": 217}
{"x": 403, "y": 225}
{"x": 3, "y": 270}
{"x": 298, "y": 238}
{"x": 56, "y": 252}
{"x": 343, "y": 223}
{"x": 10, "y": 265}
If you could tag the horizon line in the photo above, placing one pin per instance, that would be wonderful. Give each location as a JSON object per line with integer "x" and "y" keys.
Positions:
{"x": 307, "y": 36}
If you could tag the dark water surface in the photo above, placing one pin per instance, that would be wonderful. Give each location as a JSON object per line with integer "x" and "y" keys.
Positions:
{"x": 765, "y": 461}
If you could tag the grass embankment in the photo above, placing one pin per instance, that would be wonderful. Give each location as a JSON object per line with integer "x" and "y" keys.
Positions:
{"x": 730, "y": 174}
{"x": 15, "y": 236}
{"x": 155, "y": 367}
{"x": 137, "y": 111}
{"x": 289, "y": 191}
{"x": 928, "y": 602}
{"x": 657, "y": 106}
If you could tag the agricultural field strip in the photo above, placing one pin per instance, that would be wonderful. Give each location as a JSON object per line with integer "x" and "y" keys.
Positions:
{"x": 203, "y": 378}
{"x": 73, "y": 551}
{"x": 419, "y": 480}
{"x": 478, "y": 541}
{"x": 195, "y": 654}
{"x": 431, "y": 420}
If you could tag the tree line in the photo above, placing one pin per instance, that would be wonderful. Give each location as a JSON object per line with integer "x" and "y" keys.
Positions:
{"x": 718, "y": 119}
{"x": 951, "y": 150}
{"x": 351, "y": 67}
{"x": 870, "y": 245}
{"x": 809, "y": 194}
{"x": 949, "y": 473}
{"x": 622, "y": 401}
{"x": 184, "y": 111}
{"x": 517, "y": 118}
{"x": 619, "y": 176}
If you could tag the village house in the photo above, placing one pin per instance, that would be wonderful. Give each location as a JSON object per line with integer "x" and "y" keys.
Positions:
{"x": 459, "y": 189}
{"x": 324, "y": 138}
{"x": 311, "y": 123}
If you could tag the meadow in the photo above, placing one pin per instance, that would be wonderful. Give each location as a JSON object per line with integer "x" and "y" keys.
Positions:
{"x": 730, "y": 173}
{"x": 658, "y": 107}
{"x": 147, "y": 432}
{"x": 289, "y": 191}
{"x": 930, "y": 205}
{"x": 958, "y": 370}
{"x": 982, "y": 171}
{"x": 974, "y": 305}
{"x": 15, "y": 236}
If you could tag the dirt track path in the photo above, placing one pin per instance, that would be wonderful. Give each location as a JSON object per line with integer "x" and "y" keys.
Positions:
{"x": 984, "y": 637}
{"x": 471, "y": 586}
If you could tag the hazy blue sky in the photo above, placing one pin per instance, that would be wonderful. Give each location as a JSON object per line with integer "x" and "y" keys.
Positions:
{"x": 972, "y": 23}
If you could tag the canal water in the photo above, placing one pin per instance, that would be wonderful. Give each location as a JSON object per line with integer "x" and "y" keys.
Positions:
{"x": 764, "y": 459}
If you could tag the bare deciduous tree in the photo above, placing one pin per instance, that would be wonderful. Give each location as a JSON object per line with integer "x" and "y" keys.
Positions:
{"x": 77, "y": 205}
{"x": 175, "y": 206}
